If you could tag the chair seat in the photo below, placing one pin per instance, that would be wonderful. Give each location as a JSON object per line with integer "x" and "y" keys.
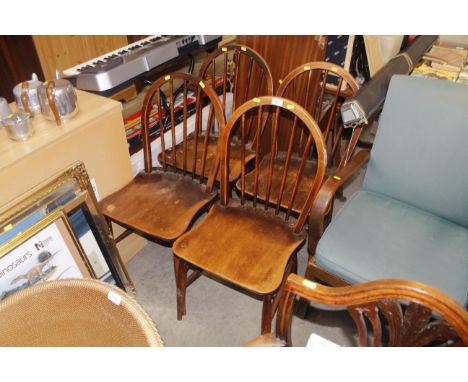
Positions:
{"x": 377, "y": 237}
{"x": 235, "y": 163}
{"x": 160, "y": 204}
{"x": 304, "y": 187}
{"x": 243, "y": 245}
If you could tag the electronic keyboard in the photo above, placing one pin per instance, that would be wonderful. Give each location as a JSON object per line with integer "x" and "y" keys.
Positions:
{"x": 114, "y": 68}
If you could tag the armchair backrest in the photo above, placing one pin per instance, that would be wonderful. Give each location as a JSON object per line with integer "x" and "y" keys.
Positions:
{"x": 419, "y": 155}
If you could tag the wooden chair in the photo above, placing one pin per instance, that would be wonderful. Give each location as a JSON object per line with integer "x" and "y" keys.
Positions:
{"x": 250, "y": 246}
{"x": 240, "y": 74}
{"x": 410, "y": 219}
{"x": 319, "y": 87}
{"x": 75, "y": 312}
{"x": 398, "y": 312}
{"x": 162, "y": 202}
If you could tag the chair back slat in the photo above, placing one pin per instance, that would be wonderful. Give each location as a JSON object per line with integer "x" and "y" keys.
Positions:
{"x": 273, "y": 150}
{"x": 185, "y": 127}
{"x": 225, "y": 71}
{"x": 298, "y": 176}
{"x": 197, "y": 131}
{"x": 257, "y": 154}
{"x": 236, "y": 61}
{"x": 181, "y": 101}
{"x": 292, "y": 135}
{"x": 206, "y": 141}
{"x": 242, "y": 159}
{"x": 332, "y": 114}
{"x": 326, "y": 86}
{"x": 249, "y": 76}
{"x": 173, "y": 137}
{"x": 279, "y": 172}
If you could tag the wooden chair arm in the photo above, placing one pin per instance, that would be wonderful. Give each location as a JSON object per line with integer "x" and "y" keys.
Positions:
{"x": 323, "y": 202}
{"x": 380, "y": 294}
{"x": 333, "y": 183}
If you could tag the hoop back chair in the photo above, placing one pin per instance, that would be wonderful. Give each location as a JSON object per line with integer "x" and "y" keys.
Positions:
{"x": 326, "y": 85}
{"x": 75, "y": 312}
{"x": 309, "y": 86}
{"x": 398, "y": 312}
{"x": 250, "y": 245}
{"x": 161, "y": 202}
{"x": 410, "y": 220}
{"x": 242, "y": 74}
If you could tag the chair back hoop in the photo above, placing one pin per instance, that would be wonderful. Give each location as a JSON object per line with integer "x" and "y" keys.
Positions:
{"x": 407, "y": 306}
{"x": 250, "y": 77}
{"x": 75, "y": 312}
{"x": 166, "y": 105}
{"x": 274, "y": 106}
{"x": 316, "y": 75}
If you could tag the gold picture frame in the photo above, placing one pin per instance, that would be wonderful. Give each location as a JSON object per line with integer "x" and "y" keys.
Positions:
{"x": 69, "y": 191}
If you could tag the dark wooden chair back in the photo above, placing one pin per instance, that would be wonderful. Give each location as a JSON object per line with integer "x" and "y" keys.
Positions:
{"x": 399, "y": 312}
{"x": 174, "y": 95}
{"x": 281, "y": 173}
{"x": 321, "y": 87}
{"x": 239, "y": 70}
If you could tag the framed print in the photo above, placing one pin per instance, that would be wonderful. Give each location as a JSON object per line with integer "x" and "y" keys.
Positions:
{"x": 45, "y": 251}
{"x": 70, "y": 192}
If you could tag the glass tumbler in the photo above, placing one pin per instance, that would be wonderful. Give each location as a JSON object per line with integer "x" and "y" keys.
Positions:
{"x": 5, "y": 109}
{"x": 18, "y": 126}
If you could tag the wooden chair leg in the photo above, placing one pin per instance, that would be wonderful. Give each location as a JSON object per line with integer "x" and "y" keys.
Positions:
{"x": 180, "y": 271}
{"x": 302, "y": 305}
{"x": 109, "y": 224}
{"x": 267, "y": 313}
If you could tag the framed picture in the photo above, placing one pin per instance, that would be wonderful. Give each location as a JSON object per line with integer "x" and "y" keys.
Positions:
{"x": 70, "y": 193}
{"x": 46, "y": 251}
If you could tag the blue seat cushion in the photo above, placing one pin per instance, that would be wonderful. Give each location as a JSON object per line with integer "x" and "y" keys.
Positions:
{"x": 376, "y": 237}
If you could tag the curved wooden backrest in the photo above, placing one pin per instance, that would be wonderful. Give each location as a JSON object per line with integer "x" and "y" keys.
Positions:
{"x": 406, "y": 307}
{"x": 274, "y": 107}
{"x": 319, "y": 84}
{"x": 246, "y": 71}
{"x": 173, "y": 92}
{"x": 75, "y": 312}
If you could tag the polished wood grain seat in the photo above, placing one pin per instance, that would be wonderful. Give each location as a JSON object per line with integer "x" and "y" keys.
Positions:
{"x": 162, "y": 202}
{"x": 159, "y": 204}
{"x": 250, "y": 245}
{"x": 300, "y": 193}
{"x": 212, "y": 147}
{"x": 259, "y": 245}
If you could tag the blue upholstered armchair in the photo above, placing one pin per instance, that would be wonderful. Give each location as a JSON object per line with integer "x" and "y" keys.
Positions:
{"x": 410, "y": 220}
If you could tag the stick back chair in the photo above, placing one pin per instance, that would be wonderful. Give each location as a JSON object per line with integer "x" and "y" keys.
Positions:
{"x": 75, "y": 312}
{"x": 240, "y": 73}
{"x": 248, "y": 244}
{"x": 319, "y": 87}
{"x": 398, "y": 313}
{"x": 161, "y": 202}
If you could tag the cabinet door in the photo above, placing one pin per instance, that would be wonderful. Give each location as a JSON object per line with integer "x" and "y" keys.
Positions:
{"x": 18, "y": 60}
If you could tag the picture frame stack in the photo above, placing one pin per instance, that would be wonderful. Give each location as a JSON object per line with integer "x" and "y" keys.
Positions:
{"x": 57, "y": 230}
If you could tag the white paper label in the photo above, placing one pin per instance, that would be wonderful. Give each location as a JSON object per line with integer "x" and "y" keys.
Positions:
{"x": 317, "y": 341}
{"x": 94, "y": 185}
{"x": 114, "y": 297}
{"x": 277, "y": 102}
